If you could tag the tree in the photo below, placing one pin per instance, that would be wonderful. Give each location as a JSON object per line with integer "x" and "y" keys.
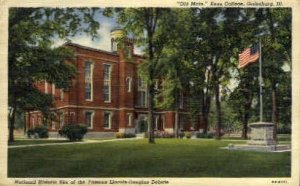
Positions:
{"x": 147, "y": 26}
{"x": 173, "y": 65}
{"x": 32, "y": 57}
{"x": 276, "y": 50}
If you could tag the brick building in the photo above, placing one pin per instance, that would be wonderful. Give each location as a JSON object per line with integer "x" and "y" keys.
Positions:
{"x": 107, "y": 95}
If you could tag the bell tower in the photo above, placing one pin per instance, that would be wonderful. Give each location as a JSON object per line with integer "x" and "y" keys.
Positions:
{"x": 116, "y": 35}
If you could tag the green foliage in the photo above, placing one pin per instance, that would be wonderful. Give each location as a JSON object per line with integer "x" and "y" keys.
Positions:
{"x": 39, "y": 131}
{"x": 188, "y": 134}
{"x": 181, "y": 134}
{"x": 73, "y": 132}
{"x": 32, "y": 58}
{"x": 203, "y": 135}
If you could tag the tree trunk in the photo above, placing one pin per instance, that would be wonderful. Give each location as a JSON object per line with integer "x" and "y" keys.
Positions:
{"x": 205, "y": 111}
{"x": 25, "y": 122}
{"x": 218, "y": 108}
{"x": 274, "y": 112}
{"x": 150, "y": 114}
{"x": 11, "y": 125}
{"x": 246, "y": 113}
{"x": 245, "y": 125}
{"x": 176, "y": 122}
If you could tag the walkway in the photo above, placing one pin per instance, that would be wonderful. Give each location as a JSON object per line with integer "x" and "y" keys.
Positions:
{"x": 71, "y": 143}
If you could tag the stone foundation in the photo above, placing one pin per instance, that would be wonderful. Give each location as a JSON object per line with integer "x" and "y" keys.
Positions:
{"x": 88, "y": 135}
{"x": 127, "y": 130}
{"x": 261, "y": 134}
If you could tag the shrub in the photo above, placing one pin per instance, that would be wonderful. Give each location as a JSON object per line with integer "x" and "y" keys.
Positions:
{"x": 203, "y": 135}
{"x": 119, "y": 135}
{"x": 181, "y": 134}
{"x": 73, "y": 132}
{"x": 161, "y": 134}
{"x": 30, "y": 132}
{"x": 39, "y": 131}
{"x": 129, "y": 135}
{"x": 188, "y": 134}
{"x": 42, "y": 131}
{"x": 125, "y": 135}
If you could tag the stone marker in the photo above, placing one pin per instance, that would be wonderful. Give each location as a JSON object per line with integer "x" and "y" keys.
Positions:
{"x": 261, "y": 134}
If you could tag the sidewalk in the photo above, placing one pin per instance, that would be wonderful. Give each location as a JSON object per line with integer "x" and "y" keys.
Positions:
{"x": 85, "y": 141}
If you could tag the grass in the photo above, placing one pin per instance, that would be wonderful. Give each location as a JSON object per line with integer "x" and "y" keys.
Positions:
{"x": 137, "y": 158}
{"x": 26, "y": 141}
{"x": 35, "y": 141}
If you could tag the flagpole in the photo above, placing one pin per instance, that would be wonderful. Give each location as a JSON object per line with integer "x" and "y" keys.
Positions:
{"x": 260, "y": 84}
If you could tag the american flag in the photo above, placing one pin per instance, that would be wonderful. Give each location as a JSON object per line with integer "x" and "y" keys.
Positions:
{"x": 249, "y": 55}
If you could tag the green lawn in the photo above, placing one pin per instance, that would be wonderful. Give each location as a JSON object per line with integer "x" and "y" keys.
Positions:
{"x": 35, "y": 141}
{"x": 21, "y": 141}
{"x": 137, "y": 158}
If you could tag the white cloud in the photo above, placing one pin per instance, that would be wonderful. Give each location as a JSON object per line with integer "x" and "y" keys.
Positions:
{"x": 103, "y": 41}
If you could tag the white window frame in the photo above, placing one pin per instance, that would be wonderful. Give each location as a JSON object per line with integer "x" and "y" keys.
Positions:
{"x": 53, "y": 89}
{"x": 39, "y": 120}
{"x": 129, "y": 119}
{"x": 33, "y": 121}
{"x": 108, "y": 81}
{"x": 109, "y": 121}
{"x": 62, "y": 94}
{"x": 61, "y": 120}
{"x": 53, "y": 125}
{"x": 129, "y": 84}
{"x": 142, "y": 87}
{"x": 46, "y": 87}
{"x": 156, "y": 119}
{"x": 91, "y": 80}
{"x": 92, "y": 118}
{"x": 163, "y": 121}
{"x": 156, "y": 84}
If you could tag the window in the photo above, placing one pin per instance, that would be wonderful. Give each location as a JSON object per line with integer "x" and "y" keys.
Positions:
{"x": 53, "y": 125}
{"x": 129, "y": 119}
{"x": 61, "y": 120}
{"x": 107, "y": 83}
{"x": 180, "y": 100}
{"x": 156, "y": 119}
{"x": 114, "y": 46}
{"x": 142, "y": 98}
{"x": 62, "y": 94}
{"x": 141, "y": 83}
{"x": 89, "y": 119}
{"x": 163, "y": 121}
{"x": 33, "y": 121}
{"x": 107, "y": 120}
{"x": 53, "y": 89}
{"x": 142, "y": 93}
{"x": 181, "y": 121}
{"x": 46, "y": 87}
{"x": 156, "y": 84}
{"x": 39, "y": 121}
{"x": 88, "y": 77}
{"x": 129, "y": 84}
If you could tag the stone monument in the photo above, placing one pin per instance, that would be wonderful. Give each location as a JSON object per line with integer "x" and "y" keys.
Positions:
{"x": 261, "y": 134}
{"x": 261, "y": 139}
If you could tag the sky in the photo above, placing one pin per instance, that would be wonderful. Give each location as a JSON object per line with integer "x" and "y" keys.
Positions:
{"x": 103, "y": 40}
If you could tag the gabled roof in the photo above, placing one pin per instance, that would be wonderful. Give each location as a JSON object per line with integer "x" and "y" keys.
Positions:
{"x": 69, "y": 43}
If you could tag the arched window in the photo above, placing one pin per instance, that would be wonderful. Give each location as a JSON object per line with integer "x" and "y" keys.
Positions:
{"x": 129, "y": 84}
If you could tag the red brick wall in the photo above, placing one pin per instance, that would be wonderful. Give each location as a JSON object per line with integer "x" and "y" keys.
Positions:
{"x": 122, "y": 101}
